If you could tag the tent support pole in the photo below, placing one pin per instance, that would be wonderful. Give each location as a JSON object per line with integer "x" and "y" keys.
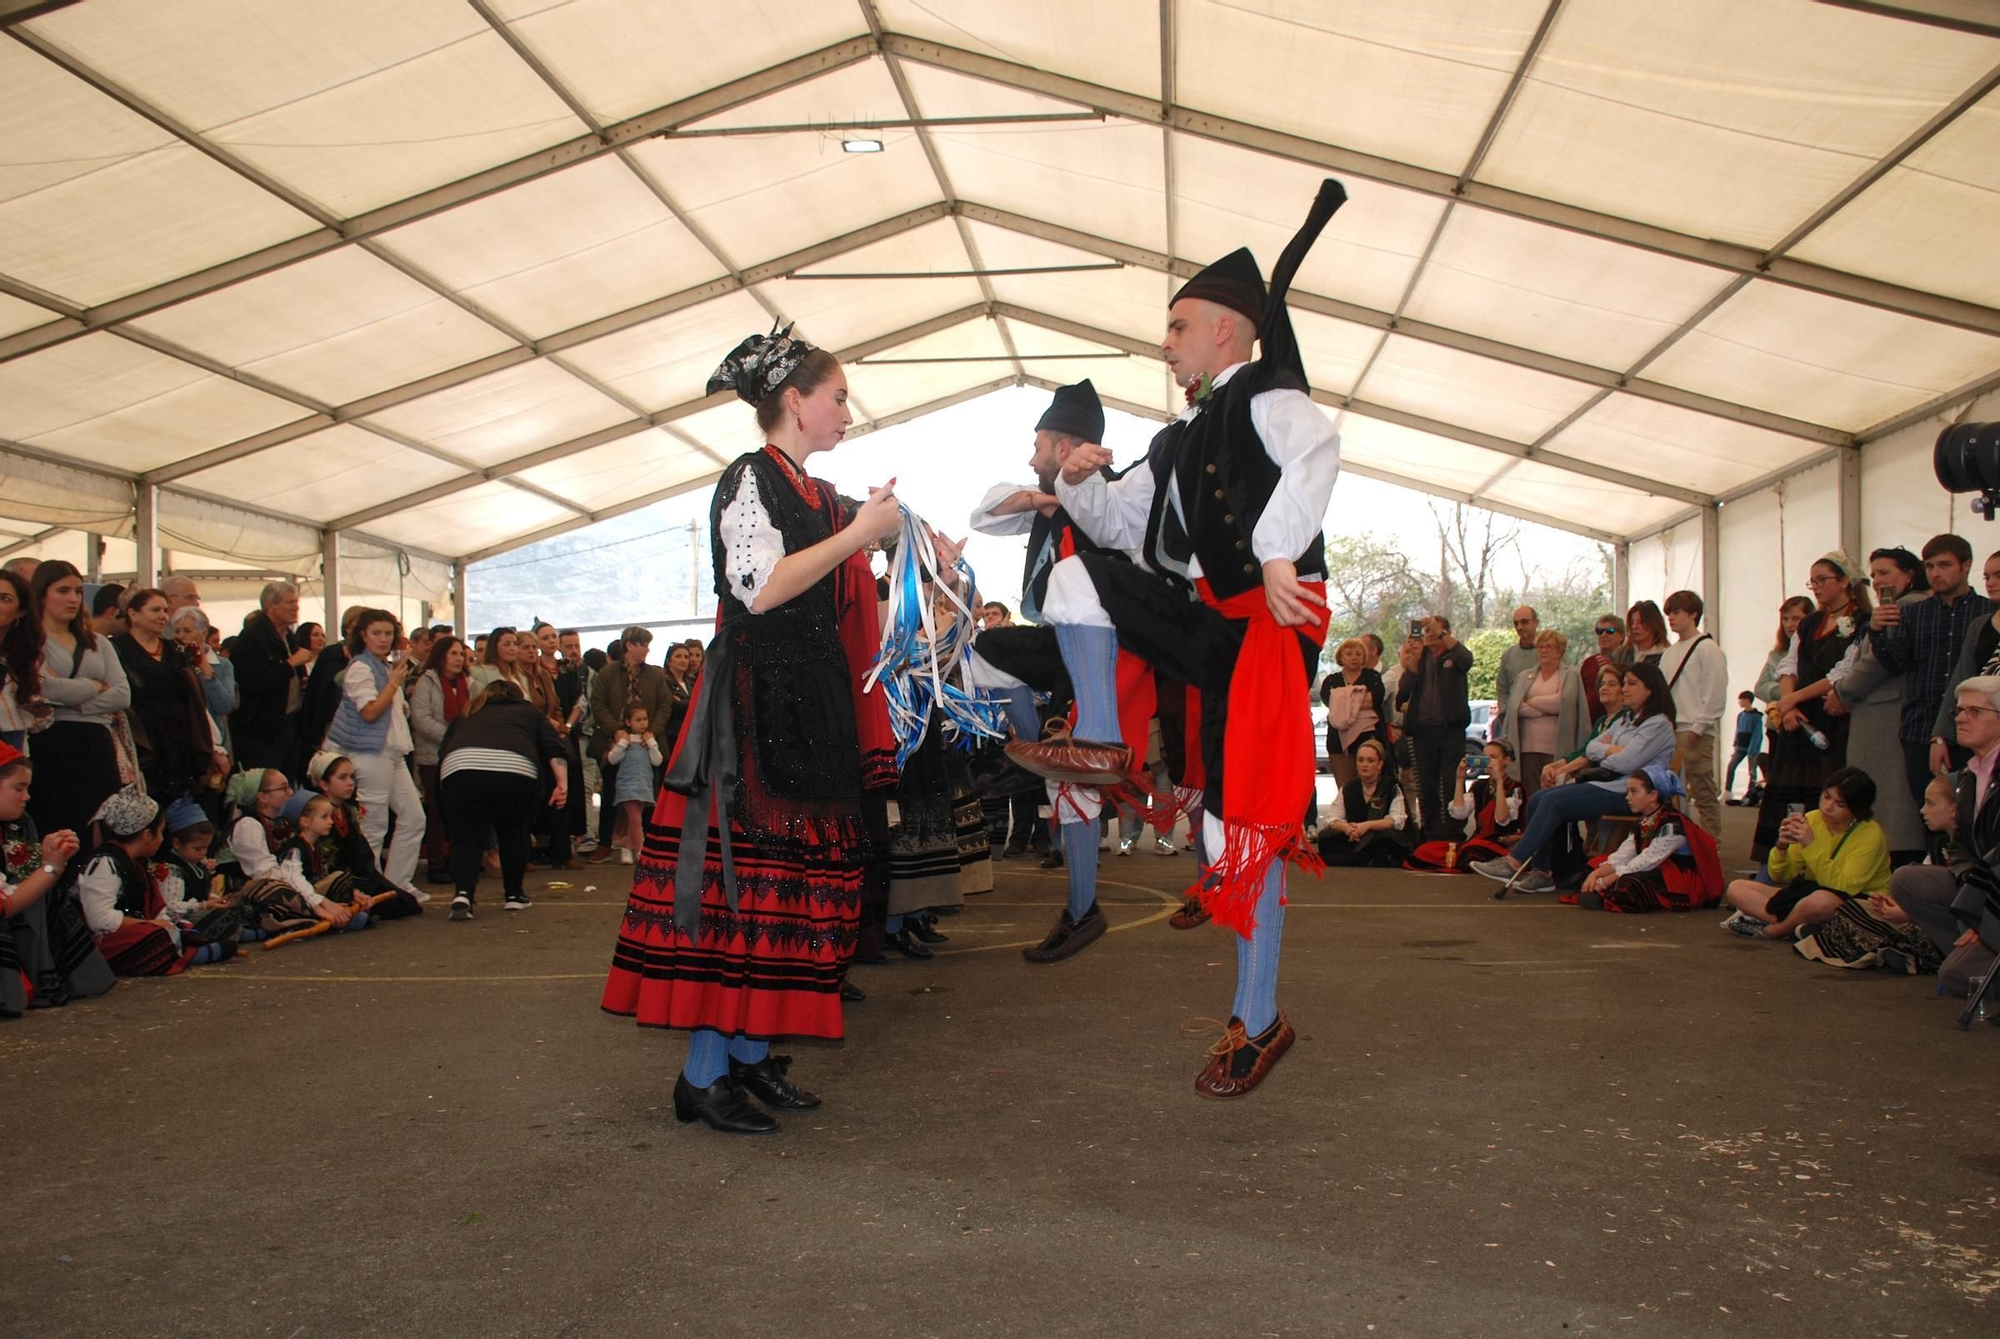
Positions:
{"x": 329, "y": 583}
{"x": 146, "y": 534}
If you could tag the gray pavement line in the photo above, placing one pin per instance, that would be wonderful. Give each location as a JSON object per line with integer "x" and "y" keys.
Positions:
{"x": 1170, "y": 903}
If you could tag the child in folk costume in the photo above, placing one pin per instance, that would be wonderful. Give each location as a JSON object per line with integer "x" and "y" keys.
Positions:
{"x": 1370, "y": 825}
{"x": 345, "y": 849}
{"x": 1669, "y": 863}
{"x": 280, "y": 904}
{"x": 636, "y": 754}
{"x": 1491, "y": 804}
{"x": 303, "y": 863}
{"x": 189, "y": 886}
{"x": 48, "y": 956}
{"x": 121, "y": 902}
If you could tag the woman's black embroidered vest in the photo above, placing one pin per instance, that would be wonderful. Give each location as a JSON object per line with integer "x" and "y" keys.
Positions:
{"x": 798, "y": 710}
{"x": 1226, "y": 479}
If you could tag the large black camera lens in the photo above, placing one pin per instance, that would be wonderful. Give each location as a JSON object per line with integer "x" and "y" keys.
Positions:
{"x": 1967, "y": 458}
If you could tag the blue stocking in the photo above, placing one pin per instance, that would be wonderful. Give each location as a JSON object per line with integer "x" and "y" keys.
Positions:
{"x": 708, "y": 1058}
{"x": 1257, "y": 957}
{"x": 1080, "y": 846}
{"x": 1019, "y": 703}
{"x": 1091, "y": 656}
{"x": 747, "y": 1052}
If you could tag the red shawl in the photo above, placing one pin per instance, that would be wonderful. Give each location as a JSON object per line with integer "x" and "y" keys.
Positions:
{"x": 1267, "y": 757}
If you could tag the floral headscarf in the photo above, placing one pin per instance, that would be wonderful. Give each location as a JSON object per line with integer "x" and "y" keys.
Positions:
{"x": 759, "y": 365}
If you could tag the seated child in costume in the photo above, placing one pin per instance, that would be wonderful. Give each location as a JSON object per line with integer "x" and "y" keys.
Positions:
{"x": 345, "y": 850}
{"x": 1489, "y": 809}
{"x": 637, "y": 756}
{"x": 1875, "y": 931}
{"x": 189, "y": 886}
{"x": 121, "y": 903}
{"x": 279, "y": 903}
{"x": 1668, "y": 863}
{"x": 1369, "y": 827}
{"x": 303, "y": 866}
{"x": 1820, "y": 860}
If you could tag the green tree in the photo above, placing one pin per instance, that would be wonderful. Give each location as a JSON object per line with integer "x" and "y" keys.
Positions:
{"x": 1487, "y": 647}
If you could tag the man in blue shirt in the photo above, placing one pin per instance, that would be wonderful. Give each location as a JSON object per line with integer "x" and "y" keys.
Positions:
{"x": 1749, "y": 744}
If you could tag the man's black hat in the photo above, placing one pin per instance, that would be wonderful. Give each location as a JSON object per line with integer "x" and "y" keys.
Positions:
{"x": 1076, "y": 411}
{"x": 1234, "y": 281}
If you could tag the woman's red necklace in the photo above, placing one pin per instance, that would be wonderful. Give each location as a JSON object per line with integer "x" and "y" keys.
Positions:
{"x": 797, "y": 478}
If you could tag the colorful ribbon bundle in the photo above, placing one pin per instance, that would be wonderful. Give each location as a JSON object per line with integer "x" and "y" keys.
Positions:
{"x": 915, "y": 665}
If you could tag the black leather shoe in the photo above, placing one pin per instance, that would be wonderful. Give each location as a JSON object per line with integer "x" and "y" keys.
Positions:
{"x": 766, "y": 1082}
{"x": 925, "y": 928}
{"x": 1052, "y": 860}
{"x": 1070, "y": 937}
{"x": 851, "y": 993}
{"x": 904, "y": 944}
{"x": 720, "y": 1106}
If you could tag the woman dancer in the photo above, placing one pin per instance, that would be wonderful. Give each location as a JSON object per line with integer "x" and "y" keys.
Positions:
{"x": 743, "y": 938}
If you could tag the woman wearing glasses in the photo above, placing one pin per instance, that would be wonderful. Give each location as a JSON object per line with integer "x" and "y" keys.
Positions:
{"x": 1808, "y": 743}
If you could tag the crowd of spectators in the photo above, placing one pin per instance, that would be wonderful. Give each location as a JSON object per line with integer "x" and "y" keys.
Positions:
{"x": 168, "y": 793}
{"x": 278, "y": 779}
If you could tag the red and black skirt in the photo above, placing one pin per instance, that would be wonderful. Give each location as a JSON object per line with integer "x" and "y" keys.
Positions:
{"x": 771, "y": 967}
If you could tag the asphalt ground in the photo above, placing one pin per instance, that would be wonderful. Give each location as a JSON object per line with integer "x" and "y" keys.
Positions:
{"x": 1501, "y": 1118}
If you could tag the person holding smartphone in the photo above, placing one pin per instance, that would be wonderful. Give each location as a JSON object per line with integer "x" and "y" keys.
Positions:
{"x": 372, "y": 728}
{"x": 1436, "y": 710}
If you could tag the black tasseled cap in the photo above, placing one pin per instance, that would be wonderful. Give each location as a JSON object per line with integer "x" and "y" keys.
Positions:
{"x": 1076, "y": 411}
{"x": 1234, "y": 281}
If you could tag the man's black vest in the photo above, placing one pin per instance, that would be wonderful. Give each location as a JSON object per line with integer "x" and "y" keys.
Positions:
{"x": 1226, "y": 479}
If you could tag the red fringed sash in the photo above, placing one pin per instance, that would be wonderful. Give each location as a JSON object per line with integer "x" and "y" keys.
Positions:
{"x": 1267, "y": 758}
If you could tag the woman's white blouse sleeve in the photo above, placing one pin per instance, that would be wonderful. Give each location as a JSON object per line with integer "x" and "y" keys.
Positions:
{"x": 751, "y": 544}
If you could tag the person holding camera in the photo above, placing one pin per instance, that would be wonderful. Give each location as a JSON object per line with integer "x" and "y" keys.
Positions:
{"x": 1436, "y": 709}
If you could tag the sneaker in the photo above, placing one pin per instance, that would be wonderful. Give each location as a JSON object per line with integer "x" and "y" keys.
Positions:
{"x": 624, "y": 856}
{"x": 418, "y": 894}
{"x": 1745, "y": 926}
{"x": 1496, "y": 869}
{"x": 1124, "y": 846}
{"x": 585, "y": 845}
{"x": 518, "y": 902}
{"x": 1534, "y": 881}
{"x": 1164, "y": 846}
{"x": 461, "y": 908}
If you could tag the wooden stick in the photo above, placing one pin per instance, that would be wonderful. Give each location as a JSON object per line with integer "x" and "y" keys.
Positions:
{"x": 360, "y": 904}
{"x": 292, "y": 936}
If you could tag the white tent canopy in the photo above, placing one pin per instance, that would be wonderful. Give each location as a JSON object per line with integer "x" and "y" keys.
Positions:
{"x": 297, "y": 283}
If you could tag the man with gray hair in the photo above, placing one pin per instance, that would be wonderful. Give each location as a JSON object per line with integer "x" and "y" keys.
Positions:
{"x": 1946, "y": 901}
{"x": 181, "y": 594}
{"x": 263, "y": 727}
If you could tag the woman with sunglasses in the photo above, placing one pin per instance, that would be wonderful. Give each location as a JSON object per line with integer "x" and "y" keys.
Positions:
{"x": 1613, "y": 652}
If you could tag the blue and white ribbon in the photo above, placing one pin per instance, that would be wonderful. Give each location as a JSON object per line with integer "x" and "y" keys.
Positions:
{"x": 915, "y": 667}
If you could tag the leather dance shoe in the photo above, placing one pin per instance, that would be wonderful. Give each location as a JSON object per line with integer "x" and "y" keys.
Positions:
{"x": 1191, "y": 915}
{"x": 767, "y": 1082}
{"x": 925, "y": 928}
{"x": 904, "y": 943}
{"x": 1070, "y": 937}
{"x": 1239, "y": 1062}
{"x": 1081, "y": 762}
{"x": 720, "y": 1106}
{"x": 851, "y": 993}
